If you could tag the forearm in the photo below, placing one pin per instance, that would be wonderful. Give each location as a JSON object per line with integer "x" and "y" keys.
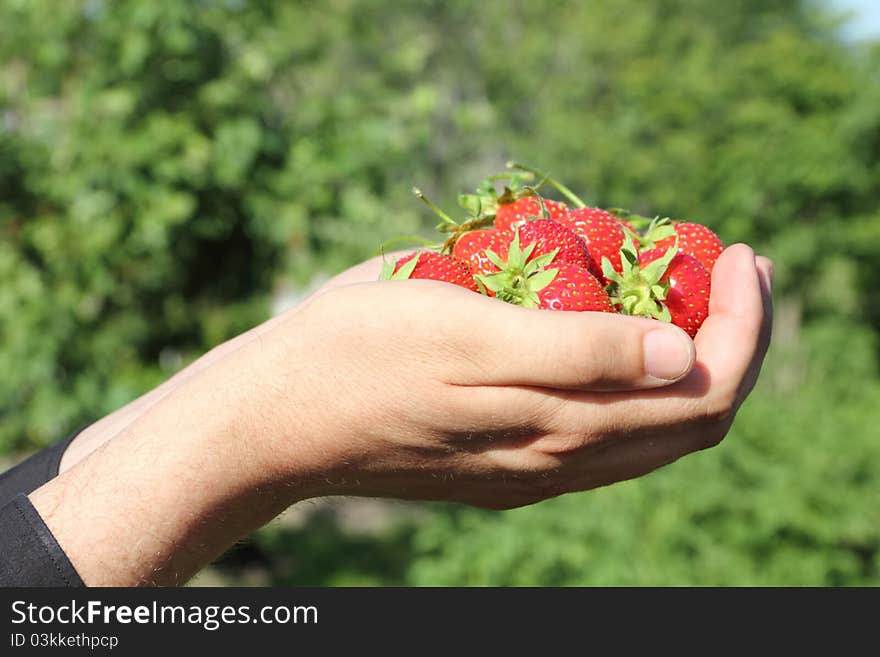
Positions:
{"x": 105, "y": 429}
{"x": 179, "y": 485}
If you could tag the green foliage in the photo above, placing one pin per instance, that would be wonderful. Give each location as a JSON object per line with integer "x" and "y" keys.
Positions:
{"x": 165, "y": 167}
{"x": 790, "y": 498}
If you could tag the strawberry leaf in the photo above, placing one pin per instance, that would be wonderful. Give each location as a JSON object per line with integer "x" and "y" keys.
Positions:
{"x": 494, "y": 282}
{"x": 542, "y": 279}
{"x": 495, "y": 259}
{"x": 653, "y": 272}
{"x": 387, "y": 270}
{"x": 472, "y": 203}
{"x": 406, "y": 269}
{"x": 542, "y": 261}
{"x": 658, "y": 229}
{"x": 608, "y": 270}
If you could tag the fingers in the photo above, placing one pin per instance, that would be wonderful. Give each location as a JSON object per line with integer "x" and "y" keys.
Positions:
{"x": 567, "y": 350}
{"x": 766, "y": 274}
{"x": 731, "y": 339}
{"x": 730, "y": 349}
{"x": 582, "y": 438}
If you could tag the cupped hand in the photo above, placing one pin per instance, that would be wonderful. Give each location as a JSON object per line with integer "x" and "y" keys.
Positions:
{"x": 422, "y": 390}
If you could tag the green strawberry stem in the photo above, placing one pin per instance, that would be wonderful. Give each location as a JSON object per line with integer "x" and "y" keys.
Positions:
{"x": 449, "y": 225}
{"x": 485, "y": 202}
{"x": 445, "y": 218}
{"x": 406, "y": 238}
{"x": 638, "y": 290}
{"x": 545, "y": 213}
{"x": 519, "y": 280}
{"x": 405, "y": 271}
{"x": 658, "y": 229}
{"x": 565, "y": 191}
{"x": 637, "y": 221}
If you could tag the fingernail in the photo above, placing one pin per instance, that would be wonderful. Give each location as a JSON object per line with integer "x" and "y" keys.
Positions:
{"x": 667, "y": 354}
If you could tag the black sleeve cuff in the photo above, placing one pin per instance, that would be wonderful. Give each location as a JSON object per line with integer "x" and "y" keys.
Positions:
{"x": 35, "y": 471}
{"x": 29, "y": 553}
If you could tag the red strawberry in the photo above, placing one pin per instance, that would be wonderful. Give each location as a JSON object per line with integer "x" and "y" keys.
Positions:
{"x": 663, "y": 284}
{"x": 574, "y": 288}
{"x": 433, "y": 266}
{"x": 627, "y": 226}
{"x": 492, "y": 251}
{"x": 601, "y": 232}
{"x": 528, "y": 281}
{"x": 548, "y": 235}
{"x": 695, "y": 240}
{"x": 510, "y": 215}
{"x": 689, "y": 284}
{"x": 472, "y": 247}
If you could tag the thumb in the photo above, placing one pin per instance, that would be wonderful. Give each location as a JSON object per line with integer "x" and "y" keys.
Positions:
{"x": 575, "y": 350}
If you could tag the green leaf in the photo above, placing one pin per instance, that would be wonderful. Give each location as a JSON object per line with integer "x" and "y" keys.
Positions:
{"x": 494, "y": 282}
{"x": 387, "y": 270}
{"x": 407, "y": 268}
{"x": 495, "y": 259}
{"x": 654, "y": 271}
{"x": 543, "y": 260}
{"x": 526, "y": 254}
{"x": 472, "y": 203}
{"x": 542, "y": 279}
{"x": 608, "y": 270}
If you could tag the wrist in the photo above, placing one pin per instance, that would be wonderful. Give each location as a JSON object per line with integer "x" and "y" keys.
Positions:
{"x": 269, "y": 422}
{"x": 187, "y": 478}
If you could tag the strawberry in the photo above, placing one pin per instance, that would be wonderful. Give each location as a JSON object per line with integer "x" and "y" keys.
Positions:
{"x": 515, "y": 213}
{"x": 548, "y": 235}
{"x": 601, "y": 231}
{"x": 602, "y": 234}
{"x": 487, "y": 251}
{"x": 574, "y": 288}
{"x": 662, "y": 284}
{"x": 695, "y": 240}
{"x": 631, "y": 223}
{"x": 527, "y": 280}
{"x": 472, "y": 247}
{"x": 433, "y": 266}
{"x": 689, "y": 282}
{"x": 661, "y": 233}
{"x": 626, "y": 225}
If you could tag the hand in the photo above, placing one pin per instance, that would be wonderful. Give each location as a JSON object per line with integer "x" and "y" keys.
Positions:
{"x": 408, "y": 389}
{"x": 437, "y": 393}
{"x": 104, "y": 429}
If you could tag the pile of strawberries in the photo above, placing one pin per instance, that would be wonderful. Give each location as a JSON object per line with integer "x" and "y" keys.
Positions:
{"x": 538, "y": 253}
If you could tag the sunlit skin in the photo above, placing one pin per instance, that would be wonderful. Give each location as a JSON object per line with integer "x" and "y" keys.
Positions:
{"x": 408, "y": 389}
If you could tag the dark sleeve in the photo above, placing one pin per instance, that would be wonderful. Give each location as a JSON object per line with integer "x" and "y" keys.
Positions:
{"x": 35, "y": 471}
{"x": 29, "y": 553}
